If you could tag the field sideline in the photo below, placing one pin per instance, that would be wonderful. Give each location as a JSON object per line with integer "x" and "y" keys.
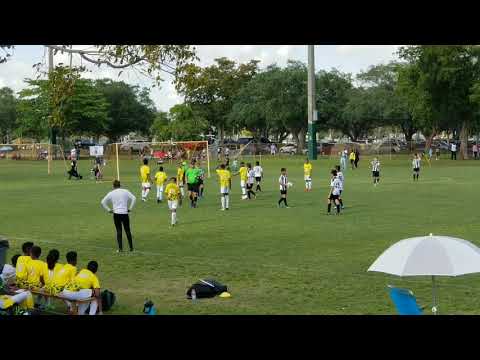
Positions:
{"x": 274, "y": 261}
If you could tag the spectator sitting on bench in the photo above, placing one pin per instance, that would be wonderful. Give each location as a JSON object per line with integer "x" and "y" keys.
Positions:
{"x": 7, "y": 279}
{"x": 65, "y": 275}
{"x": 84, "y": 286}
{"x": 21, "y": 265}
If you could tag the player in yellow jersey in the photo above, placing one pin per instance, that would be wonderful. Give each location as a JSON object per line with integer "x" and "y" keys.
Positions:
{"x": 181, "y": 178}
{"x": 243, "y": 171}
{"x": 66, "y": 274}
{"x": 160, "y": 177}
{"x": 307, "y": 175}
{"x": 37, "y": 269}
{"x": 145, "y": 178}
{"x": 21, "y": 266}
{"x": 225, "y": 178}
{"x": 172, "y": 192}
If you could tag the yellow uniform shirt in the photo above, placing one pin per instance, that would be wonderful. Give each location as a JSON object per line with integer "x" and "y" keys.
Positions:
{"x": 307, "y": 169}
{"x": 144, "y": 173}
{"x": 352, "y": 156}
{"x": 64, "y": 276}
{"x": 49, "y": 279}
{"x": 173, "y": 191}
{"x": 21, "y": 269}
{"x": 160, "y": 177}
{"x": 180, "y": 174}
{"x": 84, "y": 280}
{"x": 243, "y": 173}
{"x": 36, "y": 269}
{"x": 225, "y": 177}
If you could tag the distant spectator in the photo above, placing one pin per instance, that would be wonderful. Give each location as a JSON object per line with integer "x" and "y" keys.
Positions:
{"x": 475, "y": 151}
{"x": 357, "y": 158}
{"x": 437, "y": 153}
{"x": 453, "y": 150}
{"x": 273, "y": 149}
{"x": 352, "y": 159}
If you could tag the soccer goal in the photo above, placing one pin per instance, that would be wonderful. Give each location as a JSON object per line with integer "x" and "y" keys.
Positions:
{"x": 118, "y": 157}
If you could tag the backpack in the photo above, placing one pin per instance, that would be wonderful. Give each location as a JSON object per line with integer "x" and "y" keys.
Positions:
{"x": 108, "y": 299}
{"x": 206, "y": 289}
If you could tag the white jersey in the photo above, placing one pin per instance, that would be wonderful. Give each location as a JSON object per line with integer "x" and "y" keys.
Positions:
{"x": 119, "y": 199}
{"x": 375, "y": 165}
{"x": 250, "y": 177}
{"x": 454, "y": 147}
{"x": 416, "y": 163}
{"x": 344, "y": 154}
{"x": 283, "y": 182}
{"x": 341, "y": 178}
{"x": 336, "y": 184}
{"x": 258, "y": 171}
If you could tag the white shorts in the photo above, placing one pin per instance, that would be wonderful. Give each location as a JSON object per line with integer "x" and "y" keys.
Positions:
{"x": 242, "y": 183}
{"x": 172, "y": 204}
{"x": 160, "y": 188}
{"x": 146, "y": 185}
{"x": 224, "y": 190}
{"x": 307, "y": 178}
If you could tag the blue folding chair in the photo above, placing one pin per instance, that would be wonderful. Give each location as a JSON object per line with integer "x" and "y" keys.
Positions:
{"x": 405, "y": 302}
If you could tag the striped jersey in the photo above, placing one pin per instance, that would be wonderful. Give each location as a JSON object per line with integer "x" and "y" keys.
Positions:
{"x": 336, "y": 184}
{"x": 416, "y": 163}
{"x": 341, "y": 178}
{"x": 283, "y": 181}
{"x": 250, "y": 176}
{"x": 375, "y": 165}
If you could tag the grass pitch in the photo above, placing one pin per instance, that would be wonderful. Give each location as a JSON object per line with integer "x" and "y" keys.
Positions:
{"x": 274, "y": 261}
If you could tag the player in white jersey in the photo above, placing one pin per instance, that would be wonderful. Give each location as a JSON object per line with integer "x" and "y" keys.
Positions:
{"x": 258, "y": 171}
{"x": 342, "y": 180}
{"x": 334, "y": 195}
{"x": 250, "y": 182}
{"x": 283, "y": 182}
{"x": 343, "y": 159}
{"x": 416, "y": 167}
{"x": 375, "y": 171}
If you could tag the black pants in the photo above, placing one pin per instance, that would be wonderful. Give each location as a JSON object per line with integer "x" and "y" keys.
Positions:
{"x": 454, "y": 155}
{"x": 118, "y": 220}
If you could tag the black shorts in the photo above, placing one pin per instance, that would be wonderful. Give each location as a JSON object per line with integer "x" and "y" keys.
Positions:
{"x": 376, "y": 173}
{"x": 417, "y": 170}
{"x": 249, "y": 186}
{"x": 193, "y": 187}
{"x": 283, "y": 192}
{"x": 258, "y": 178}
{"x": 200, "y": 182}
{"x": 333, "y": 197}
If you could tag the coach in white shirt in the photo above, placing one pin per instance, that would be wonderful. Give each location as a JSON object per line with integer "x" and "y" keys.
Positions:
{"x": 119, "y": 199}
{"x": 453, "y": 149}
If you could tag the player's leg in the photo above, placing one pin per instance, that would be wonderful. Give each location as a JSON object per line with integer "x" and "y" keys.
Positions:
{"x": 329, "y": 205}
{"x": 118, "y": 227}
{"x": 126, "y": 225}
{"x": 242, "y": 186}
{"x": 340, "y": 199}
{"x": 158, "y": 194}
{"x": 222, "y": 197}
{"x": 227, "y": 200}
{"x": 285, "y": 198}
{"x": 306, "y": 183}
{"x": 147, "y": 190}
{"x": 337, "y": 202}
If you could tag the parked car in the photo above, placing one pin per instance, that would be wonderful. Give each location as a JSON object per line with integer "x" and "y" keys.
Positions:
{"x": 133, "y": 145}
{"x": 290, "y": 149}
{"x": 84, "y": 144}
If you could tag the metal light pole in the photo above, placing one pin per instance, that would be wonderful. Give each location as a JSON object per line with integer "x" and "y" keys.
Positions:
{"x": 52, "y": 132}
{"x": 312, "y": 111}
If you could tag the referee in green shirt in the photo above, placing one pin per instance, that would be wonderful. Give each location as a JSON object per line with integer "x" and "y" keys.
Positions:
{"x": 192, "y": 176}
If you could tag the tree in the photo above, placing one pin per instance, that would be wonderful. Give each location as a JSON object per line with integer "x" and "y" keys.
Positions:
{"x": 5, "y": 52}
{"x": 8, "y": 113}
{"x": 210, "y": 91}
{"x": 160, "y": 129}
{"x": 184, "y": 124}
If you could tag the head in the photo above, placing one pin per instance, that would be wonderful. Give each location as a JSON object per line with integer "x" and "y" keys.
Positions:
{"x": 116, "y": 184}
{"x": 222, "y": 166}
{"x": 307, "y": 161}
{"x": 257, "y": 163}
{"x": 145, "y": 161}
{"x": 242, "y": 164}
{"x": 55, "y": 253}
{"x": 333, "y": 172}
{"x": 283, "y": 171}
{"x": 173, "y": 180}
{"x": 160, "y": 168}
{"x": 337, "y": 168}
{"x": 35, "y": 252}
{"x": 72, "y": 258}
{"x": 249, "y": 165}
{"x": 27, "y": 247}
{"x": 51, "y": 261}
{"x": 14, "y": 259}
{"x": 92, "y": 266}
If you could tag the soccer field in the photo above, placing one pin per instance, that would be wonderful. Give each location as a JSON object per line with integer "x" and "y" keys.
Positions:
{"x": 274, "y": 261}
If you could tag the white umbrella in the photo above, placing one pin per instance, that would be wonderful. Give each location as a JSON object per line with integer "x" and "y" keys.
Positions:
{"x": 429, "y": 256}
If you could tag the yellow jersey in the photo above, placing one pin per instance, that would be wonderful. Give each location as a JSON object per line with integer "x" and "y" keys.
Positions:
{"x": 50, "y": 276}
{"x": 64, "y": 276}
{"x": 173, "y": 191}
{"x": 180, "y": 174}
{"x": 243, "y": 173}
{"x": 144, "y": 173}
{"x": 225, "y": 177}
{"x": 352, "y": 156}
{"x": 160, "y": 177}
{"x": 307, "y": 169}
{"x": 21, "y": 269}
{"x": 84, "y": 280}
{"x": 37, "y": 270}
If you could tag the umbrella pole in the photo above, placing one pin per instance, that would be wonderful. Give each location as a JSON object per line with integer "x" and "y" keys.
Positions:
{"x": 434, "y": 290}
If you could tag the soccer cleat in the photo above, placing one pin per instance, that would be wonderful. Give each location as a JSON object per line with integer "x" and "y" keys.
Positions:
{"x": 222, "y": 209}
{"x": 287, "y": 207}
{"x": 158, "y": 201}
{"x": 226, "y": 208}
{"x": 119, "y": 251}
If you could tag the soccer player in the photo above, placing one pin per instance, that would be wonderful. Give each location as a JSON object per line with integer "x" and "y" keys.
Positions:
{"x": 243, "y": 171}
{"x": 343, "y": 159}
{"x": 192, "y": 175}
{"x": 335, "y": 186}
{"x": 375, "y": 171}
{"x": 342, "y": 181}
{"x": 145, "y": 178}
{"x": 416, "y": 167}
{"x": 65, "y": 274}
{"x": 22, "y": 263}
{"x": 258, "y": 170}
{"x": 160, "y": 177}
{"x": 84, "y": 286}
{"x": 36, "y": 269}
{"x": 181, "y": 179}
{"x": 172, "y": 192}
{"x": 74, "y": 171}
{"x": 283, "y": 182}
{"x": 307, "y": 172}
{"x": 201, "y": 179}
{"x": 250, "y": 181}
{"x": 352, "y": 159}
{"x": 225, "y": 178}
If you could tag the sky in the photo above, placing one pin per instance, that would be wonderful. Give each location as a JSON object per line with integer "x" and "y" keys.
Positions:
{"x": 346, "y": 58}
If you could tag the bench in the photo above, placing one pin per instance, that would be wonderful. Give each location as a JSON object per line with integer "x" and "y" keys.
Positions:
{"x": 74, "y": 303}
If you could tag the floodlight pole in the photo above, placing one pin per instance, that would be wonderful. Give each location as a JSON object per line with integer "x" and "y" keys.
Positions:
{"x": 312, "y": 112}
{"x": 52, "y": 132}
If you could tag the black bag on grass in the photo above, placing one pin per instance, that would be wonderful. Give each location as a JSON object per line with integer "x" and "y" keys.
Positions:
{"x": 206, "y": 289}
{"x": 108, "y": 299}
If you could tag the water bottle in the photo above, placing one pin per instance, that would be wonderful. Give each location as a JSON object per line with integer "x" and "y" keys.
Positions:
{"x": 194, "y": 295}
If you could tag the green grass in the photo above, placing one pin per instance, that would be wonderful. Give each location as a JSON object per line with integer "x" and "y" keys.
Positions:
{"x": 274, "y": 261}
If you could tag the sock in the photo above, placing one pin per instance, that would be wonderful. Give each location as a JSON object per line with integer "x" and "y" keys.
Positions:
{"x": 341, "y": 202}
{"x": 146, "y": 192}
{"x": 143, "y": 194}
{"x": 182, "y": 191}
{"x": 329, "y": 208}
{"x": 248, "y": 193}
{"x": 280, "y": 201}
{"x": 223, "y": 202}
{"x": 174, "y": 218}
{"x": 201, "y": 191}
{"x": 243, "y": 190}
{"x": 338, "y": 209}
{"x": 160, "y": 195}
{"x": 309, "y": 185}
{"x": 227, "y": 201}
{"x": 285, "y": 201}
{"x": 306, "y": 185}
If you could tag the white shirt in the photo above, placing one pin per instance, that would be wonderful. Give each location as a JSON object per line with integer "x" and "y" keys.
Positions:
{"x": 416, "y": 163}
{"x": 119, "y": 199}
{"x": 258, "y": 171}
{"x": 454, "y": 147}
{"x": 336, "y": 184}
{"x": 341, "y": 178}
{"x": 283, "y": 181}
{"x": 250, "y": 177}
{"x": 344, "y": 154}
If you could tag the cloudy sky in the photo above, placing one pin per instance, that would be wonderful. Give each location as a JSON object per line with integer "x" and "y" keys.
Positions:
{"x": 346, "y": 58}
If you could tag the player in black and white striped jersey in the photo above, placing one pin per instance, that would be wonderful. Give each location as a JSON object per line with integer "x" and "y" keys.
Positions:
{"x": 283, "y": 182}
{"x": 342, "y": 180}
{"x": 375, "y": 171}
{"x": 416, "y": 167}
{"x": 333, "y": 196}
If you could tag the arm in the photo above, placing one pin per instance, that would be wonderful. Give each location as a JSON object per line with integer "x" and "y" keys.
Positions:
{"x": 132, "y": 200}
{"x": 104, "y": 202}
